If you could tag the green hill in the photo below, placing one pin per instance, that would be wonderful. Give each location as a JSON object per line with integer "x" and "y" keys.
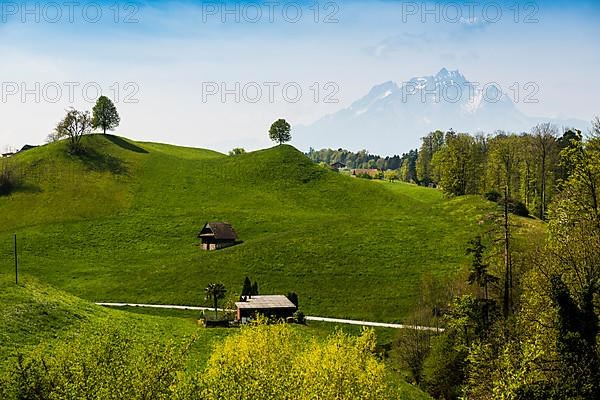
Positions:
{"x": 120, "y": 224}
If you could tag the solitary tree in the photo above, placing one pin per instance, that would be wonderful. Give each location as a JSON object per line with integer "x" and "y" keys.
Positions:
{"x": 216, "y": 292}
{"x": 105, "y": 115}
{"x": 237, "y": 151}
{"x": 74, "y": 126}
{"x": 280, "y": 131}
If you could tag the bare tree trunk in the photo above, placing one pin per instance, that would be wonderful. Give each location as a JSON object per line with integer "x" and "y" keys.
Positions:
{"x": 507, "y": 305}
{"x": 543, "y": 182}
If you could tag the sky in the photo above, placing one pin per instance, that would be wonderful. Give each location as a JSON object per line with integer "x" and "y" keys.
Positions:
{"x": 217, "y": 74}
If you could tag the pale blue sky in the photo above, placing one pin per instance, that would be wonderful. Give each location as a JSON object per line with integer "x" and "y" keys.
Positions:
{"x": 178, "y": 48}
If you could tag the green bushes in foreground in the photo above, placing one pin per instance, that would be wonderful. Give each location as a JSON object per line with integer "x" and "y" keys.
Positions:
{"x": 259, "y": 362}
{"x": 104, "y": 365}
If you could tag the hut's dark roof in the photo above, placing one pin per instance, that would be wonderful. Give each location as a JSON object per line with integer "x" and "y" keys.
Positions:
{"x": 218, "y": 230}
{"x": 27, "y": 147}
{"x": 266, "y": 302}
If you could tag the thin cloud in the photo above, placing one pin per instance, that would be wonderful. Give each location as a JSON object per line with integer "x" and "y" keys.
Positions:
{"x": 474, "y": 23}
{"x": 392, "y": 44}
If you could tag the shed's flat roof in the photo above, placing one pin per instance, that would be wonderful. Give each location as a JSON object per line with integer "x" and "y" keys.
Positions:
{"x": 263, "y": 302}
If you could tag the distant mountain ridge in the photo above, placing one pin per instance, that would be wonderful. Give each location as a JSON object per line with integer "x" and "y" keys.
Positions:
{"x": 391, "y": 118}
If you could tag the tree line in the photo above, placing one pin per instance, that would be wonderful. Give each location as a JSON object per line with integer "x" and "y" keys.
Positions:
{"x": 527, "y": 167}
{"x": 361, "y": 159}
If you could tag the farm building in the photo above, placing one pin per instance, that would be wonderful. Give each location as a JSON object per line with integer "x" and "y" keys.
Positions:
{"x": 26, "y": 147}
{"x": 217, "y": 235}
{"x": 338, "y": 165}
{"x": 277, "y": 306}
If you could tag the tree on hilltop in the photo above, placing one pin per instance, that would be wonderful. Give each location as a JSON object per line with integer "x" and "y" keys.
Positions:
{"x": 280, "y": 131}
{"x": 105, "y": 115}
{"x": 73, "y": 126}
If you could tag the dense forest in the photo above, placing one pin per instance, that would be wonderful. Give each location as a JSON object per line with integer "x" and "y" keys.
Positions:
{"x": 527, "y": 167}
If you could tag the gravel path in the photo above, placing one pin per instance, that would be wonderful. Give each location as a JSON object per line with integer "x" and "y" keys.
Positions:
{"x": 308, "y": 318}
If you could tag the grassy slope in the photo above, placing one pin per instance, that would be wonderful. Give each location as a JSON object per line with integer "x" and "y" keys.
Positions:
{"x": 120, "y": 225}
{"x": 33, "y": 313}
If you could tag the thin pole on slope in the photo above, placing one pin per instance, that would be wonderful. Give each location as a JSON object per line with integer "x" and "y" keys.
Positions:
{"x": 16, "y": 261}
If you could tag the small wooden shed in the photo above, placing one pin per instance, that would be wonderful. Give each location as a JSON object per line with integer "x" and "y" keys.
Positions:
{"x": 217, "y": 235}
{"x": 277, "y": 306}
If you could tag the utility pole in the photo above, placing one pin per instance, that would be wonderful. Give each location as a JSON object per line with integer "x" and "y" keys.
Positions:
{"x": 16, "y": 261}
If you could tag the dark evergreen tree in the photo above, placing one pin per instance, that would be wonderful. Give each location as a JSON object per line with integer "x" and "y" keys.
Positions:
{"x": 479, "y": 269}
{"x": 293, "y": 297}
{"x": 247, "y": 289}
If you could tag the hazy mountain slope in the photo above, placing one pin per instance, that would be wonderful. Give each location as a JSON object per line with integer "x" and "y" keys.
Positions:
{"x": 391, "y": 118}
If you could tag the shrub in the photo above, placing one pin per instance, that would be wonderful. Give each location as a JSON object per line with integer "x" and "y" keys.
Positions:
{"x": 493, "y": 196}
{"x": 413, "y": 346}
{"x": 518, "y": 208}
{"x": 274, "y": 362}
{"x": 105, "y": 365}
{"x": 299, "y": 317}
{"x": 443, "y": 369}
{"x": 9, "y": 179}
{"x": 514, "y": 206}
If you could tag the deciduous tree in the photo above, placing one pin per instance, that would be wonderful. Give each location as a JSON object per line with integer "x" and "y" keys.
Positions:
{"x": 280, "y": 131}
{"x": 105, "y": 115}
{"x": 74, "y": 126}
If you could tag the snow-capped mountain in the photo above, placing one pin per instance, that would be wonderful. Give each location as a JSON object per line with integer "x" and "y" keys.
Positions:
{"x": 391, "y": 118}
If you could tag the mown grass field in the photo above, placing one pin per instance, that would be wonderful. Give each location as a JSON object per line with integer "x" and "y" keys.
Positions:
{"x": 120, "y": 224}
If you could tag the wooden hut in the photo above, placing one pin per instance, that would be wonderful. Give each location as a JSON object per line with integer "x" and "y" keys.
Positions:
{"x": 217, "y": 235}
{"x": 276, "y": 306}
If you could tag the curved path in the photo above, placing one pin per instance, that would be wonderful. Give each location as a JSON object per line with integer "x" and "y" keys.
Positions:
{"x": 308, "y": 318}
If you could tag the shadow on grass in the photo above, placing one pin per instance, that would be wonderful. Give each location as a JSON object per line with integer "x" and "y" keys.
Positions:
{"x": 125, "y": 144}
{"x": 101, "y": 162}
{"x": 19, "y": 187}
